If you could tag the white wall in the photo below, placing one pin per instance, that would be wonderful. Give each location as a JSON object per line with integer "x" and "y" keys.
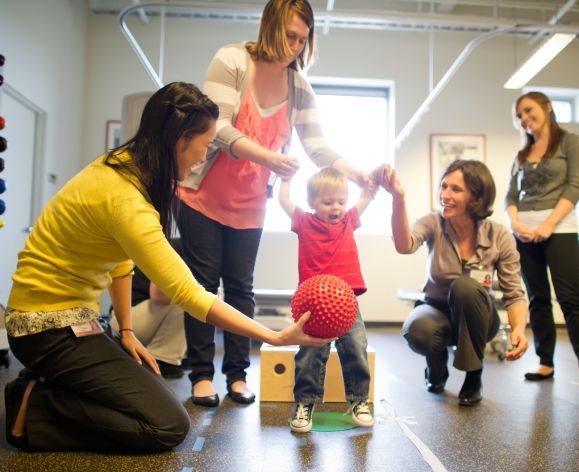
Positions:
{"x": 44, "y": 45}
{"x": 474, "y": 101}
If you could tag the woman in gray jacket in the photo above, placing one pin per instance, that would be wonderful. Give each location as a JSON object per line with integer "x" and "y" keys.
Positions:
{"x": 465, "y": 249}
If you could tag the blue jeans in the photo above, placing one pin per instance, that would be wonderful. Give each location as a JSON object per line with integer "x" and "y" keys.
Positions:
{"x": 310, "y": 367}
{"x": 215, "y": 253}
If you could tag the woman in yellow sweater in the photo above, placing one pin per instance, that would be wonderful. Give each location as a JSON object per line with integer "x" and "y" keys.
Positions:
{"x": 83, "y": 390}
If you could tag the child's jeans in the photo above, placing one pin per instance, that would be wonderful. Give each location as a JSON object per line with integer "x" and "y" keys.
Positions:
{"x": 311, "y": 362}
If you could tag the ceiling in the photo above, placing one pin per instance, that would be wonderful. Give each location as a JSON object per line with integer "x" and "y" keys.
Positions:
{"x": 460, "y": 15}
{"x": 488, "y": 18}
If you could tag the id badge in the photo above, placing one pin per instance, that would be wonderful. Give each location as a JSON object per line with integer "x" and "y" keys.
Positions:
{"x": 87, "y": 329}
{"x": 483, "y": 277}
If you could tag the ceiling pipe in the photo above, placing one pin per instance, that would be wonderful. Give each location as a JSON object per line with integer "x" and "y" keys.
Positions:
{"x": 142, "y": 14}
{"x": 554, "y": 19}
{"x": 468, "y": 49}
{"x": 424, "y": 107}
{"x": 329, "y": 7}
{"x": 344, "y": 19}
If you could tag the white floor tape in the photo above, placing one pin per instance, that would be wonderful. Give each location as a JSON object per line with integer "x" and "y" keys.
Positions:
{"x": 403, "y": 422}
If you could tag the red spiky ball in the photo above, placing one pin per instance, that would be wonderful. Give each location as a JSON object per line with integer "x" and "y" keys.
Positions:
{"x": 331, "y": 302}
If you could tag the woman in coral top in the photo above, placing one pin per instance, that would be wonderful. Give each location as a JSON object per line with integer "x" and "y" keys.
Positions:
{"x": 261, "y": 97}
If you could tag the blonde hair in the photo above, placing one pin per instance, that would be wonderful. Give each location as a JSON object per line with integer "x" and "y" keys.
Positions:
{"x": 271, "y": 44}
{"x": 326, "y": 179}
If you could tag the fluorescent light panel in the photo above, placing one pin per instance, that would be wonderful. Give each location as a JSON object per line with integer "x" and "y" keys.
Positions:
{"x": 539, "y": 59}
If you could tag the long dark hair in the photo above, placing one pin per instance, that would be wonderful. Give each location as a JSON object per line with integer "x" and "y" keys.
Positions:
{"x": 556, "y": 133}
{"x": 177, "y": 110}
{"x": 479, "y": 180}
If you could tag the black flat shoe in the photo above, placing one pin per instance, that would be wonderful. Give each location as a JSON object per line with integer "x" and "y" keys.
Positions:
{"x": 471, "y": 392}
{"x": 13, "y": 395}
{"x": 470, "y": 398}
{"x": 244, "y": 398}
{"x": 170, "y": 371}
{"x": 435, "y": 386}
{"x": 211, "y": 400}
{"x": 536, "y": 377}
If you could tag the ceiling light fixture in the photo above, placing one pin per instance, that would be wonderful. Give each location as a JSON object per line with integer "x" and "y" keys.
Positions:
{"x": 539, "y": 59}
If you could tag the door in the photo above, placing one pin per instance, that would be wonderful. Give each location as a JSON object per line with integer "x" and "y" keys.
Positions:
{"x": 20, "y": 133}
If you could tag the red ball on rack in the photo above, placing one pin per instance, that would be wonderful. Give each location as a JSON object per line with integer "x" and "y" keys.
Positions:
{"x": 331, "y": 302}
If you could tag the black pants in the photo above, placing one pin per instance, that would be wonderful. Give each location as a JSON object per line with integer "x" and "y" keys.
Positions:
{"x": 95, "y": 396}
{"x": 560, "y": 254}
{"x": 468, "y": 320}
{"x": 215, "y": 252}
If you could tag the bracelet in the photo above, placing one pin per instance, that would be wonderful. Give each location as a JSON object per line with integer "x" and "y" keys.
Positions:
{"x": 126, "y": 329}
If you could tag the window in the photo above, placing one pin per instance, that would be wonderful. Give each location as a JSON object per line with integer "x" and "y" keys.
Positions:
{"x": 565, "y": 102}
{"x": 563, "y": 110}
{"x": 358, "y": 122}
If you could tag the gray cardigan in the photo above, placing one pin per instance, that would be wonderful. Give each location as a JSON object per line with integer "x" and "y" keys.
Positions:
{"x": 226, "y": 84}
{"x": 540, "y": 186}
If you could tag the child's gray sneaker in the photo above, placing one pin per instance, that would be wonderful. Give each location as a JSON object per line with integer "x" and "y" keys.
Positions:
{"x": 302, "y": 420}
{"x": 361, "y": 414}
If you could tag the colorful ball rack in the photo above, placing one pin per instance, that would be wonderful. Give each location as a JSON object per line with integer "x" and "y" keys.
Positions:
{"x": 4, "y": 356}
{"x": 3, "y": 145}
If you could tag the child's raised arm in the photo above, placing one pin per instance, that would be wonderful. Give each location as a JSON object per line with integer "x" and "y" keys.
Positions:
{"x": 368, "y": 193}
{"x": 284, "y": 197}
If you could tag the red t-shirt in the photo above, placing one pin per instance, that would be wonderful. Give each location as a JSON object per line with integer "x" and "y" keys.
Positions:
{"x": 328, "y": 248}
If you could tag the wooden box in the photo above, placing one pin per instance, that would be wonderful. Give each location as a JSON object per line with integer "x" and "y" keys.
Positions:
{"x": 277, "y": 375}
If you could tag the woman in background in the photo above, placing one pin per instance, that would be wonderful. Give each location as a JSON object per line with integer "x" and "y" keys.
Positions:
{"x": 540, "y": 204}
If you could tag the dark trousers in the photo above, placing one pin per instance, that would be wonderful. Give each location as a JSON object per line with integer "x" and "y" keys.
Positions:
{"x": 560, "y": 254}
{"x": 215, "y": 253}
{"x": 95, "y": 396}
{"x": 468, "y": 321}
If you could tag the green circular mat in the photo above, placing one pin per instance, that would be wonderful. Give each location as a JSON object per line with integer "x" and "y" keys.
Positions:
{"x": 329, "y": 422}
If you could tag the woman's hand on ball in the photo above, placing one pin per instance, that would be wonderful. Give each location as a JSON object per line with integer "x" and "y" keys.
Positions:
{"x": 294, "y": 334}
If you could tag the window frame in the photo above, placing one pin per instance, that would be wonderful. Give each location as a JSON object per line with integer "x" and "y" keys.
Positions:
{"x": 561, "y": 94}
{"x": 350, "y": 87}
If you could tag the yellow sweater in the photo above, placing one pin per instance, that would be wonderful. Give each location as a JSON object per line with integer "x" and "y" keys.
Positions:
{"x": 91, "y": 232}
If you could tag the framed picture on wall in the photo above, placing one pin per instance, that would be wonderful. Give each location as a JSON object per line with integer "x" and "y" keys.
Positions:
{"x": 445, "y": 148}
{"x": 112, "y": 134}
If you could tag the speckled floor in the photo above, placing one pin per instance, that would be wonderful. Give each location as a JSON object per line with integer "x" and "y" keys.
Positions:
{"x": 519, "y": 426}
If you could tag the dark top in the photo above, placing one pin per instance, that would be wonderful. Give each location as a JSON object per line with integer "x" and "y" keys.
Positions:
{"x": 535, "y": 187}
{"x": 140, "y": 288}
